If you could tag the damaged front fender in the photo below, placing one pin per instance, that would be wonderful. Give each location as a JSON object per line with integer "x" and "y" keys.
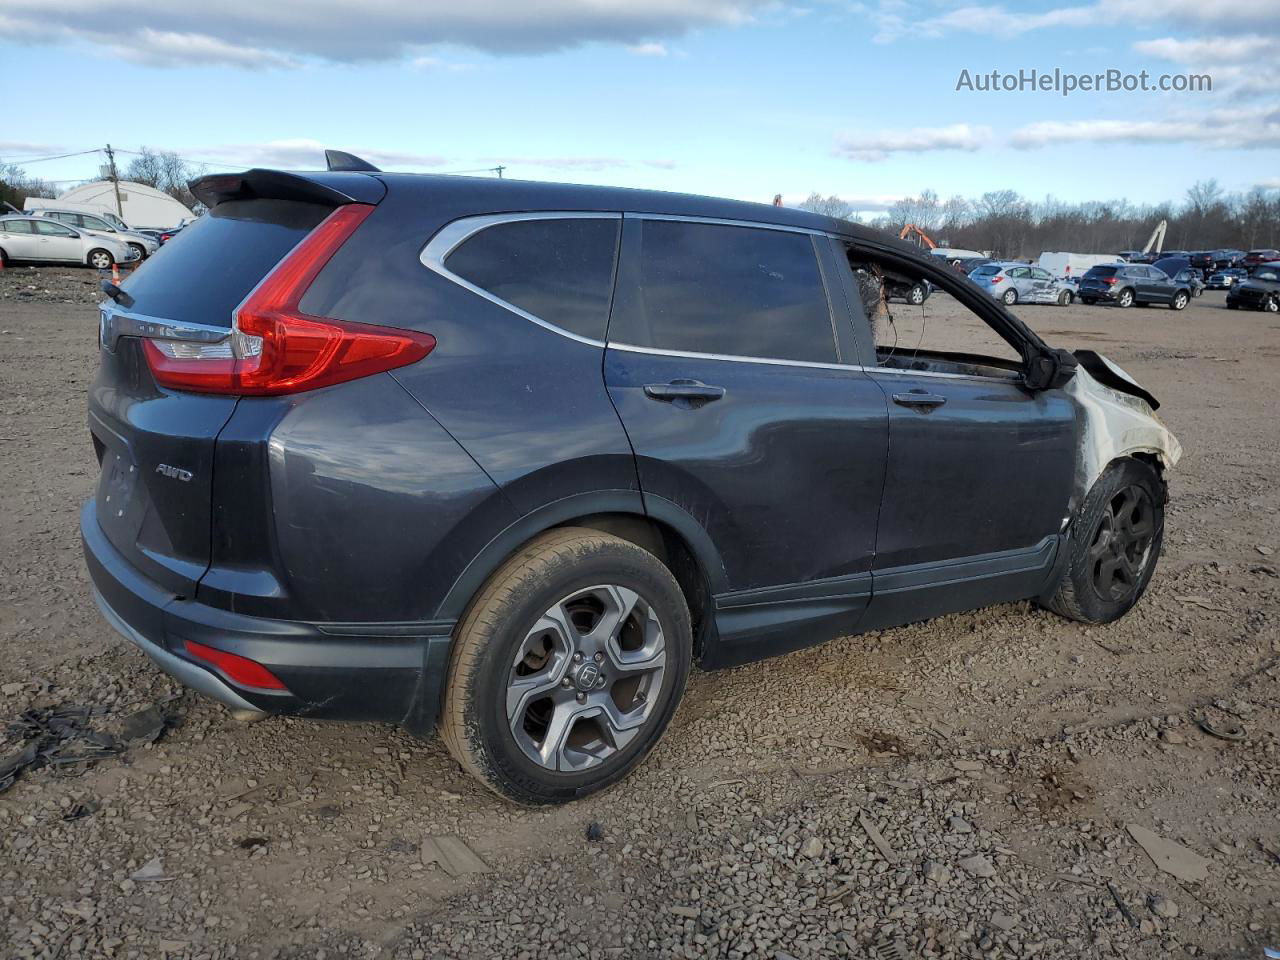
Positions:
{"x": 1117, "y": 419}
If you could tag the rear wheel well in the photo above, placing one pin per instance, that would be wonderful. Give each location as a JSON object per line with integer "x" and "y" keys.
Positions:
{"x": 675, "y": 553}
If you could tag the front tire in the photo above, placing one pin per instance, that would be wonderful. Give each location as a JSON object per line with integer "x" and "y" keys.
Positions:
{"x": 1065, "y": 298}
{"x": 1116, "y": 538}
{"x": 1179, "y": 301}
{"x": 140, "y": 252}
{"x": 567, "y": 667}
{"x": 100, "y": 259}
{"x": 916, "y": 295}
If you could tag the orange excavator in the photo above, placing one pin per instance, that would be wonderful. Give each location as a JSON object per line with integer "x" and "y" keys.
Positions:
{"x": 922, "y": 239}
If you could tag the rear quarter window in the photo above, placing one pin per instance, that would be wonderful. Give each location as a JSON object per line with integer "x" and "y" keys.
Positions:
{"x": 559, "y": 270}
{"x": 728, "y": 290}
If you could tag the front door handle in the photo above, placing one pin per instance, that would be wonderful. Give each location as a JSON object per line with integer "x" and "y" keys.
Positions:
{"x": 919, "y": 398}
{"x": 693, "y": 391}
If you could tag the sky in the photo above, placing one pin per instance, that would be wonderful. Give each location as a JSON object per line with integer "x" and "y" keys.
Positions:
{"x": 738, "y": 98}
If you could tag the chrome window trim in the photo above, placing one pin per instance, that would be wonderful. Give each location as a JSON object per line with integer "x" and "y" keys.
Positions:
{"x": 771, "y": 361}
{"x": 454, "y": 234}
{"x": 855, "y": 367}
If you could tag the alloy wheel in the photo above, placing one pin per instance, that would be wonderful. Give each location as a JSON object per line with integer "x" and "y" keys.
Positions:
{"x": 1121, "y": 547}
{"x": 586, "y": 677}
{"x": 100, "y": 260}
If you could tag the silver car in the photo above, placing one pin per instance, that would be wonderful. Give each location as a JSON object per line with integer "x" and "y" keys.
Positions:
{"x": 43, "y": 239}
{"x": 142, "y": 244}
{"x": 1020, "y": 283}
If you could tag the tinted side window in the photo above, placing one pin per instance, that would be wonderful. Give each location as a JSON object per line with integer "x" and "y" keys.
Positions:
{"x": 50, "y": 229}
{"x": 736, "y": 291}
{"x": 93, "y": 223}
{"x": 560, "y": 270}
{"x": 1019, "y": 273}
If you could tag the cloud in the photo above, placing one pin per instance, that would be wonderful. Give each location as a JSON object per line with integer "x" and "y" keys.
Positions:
{"x": 305, "y": 154}
{"x": 1229, "y": 130}
{"x": 27, "y": 148}
{"x": 253, "y": 33}
{"x": 1211, "y": 51}
{"x": 647, "y": 49}
{"x": 1272, "y": 184}
{"x": 161, "y": 48}
{"x": 879, "y": 145}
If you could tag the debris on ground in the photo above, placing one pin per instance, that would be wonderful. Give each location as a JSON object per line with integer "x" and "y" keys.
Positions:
{"x": 452, "y": 855}
{"x": 1173, "y": 858}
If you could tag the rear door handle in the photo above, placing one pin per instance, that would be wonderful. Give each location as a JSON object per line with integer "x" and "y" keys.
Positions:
{"x": 693, "y": 391}
{"x": 919, "y": 398}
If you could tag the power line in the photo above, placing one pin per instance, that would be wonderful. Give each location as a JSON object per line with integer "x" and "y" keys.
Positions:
{"x": 61, "y": 156}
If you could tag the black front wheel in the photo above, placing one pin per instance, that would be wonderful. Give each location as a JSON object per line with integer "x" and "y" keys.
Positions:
{"x": 1115, "y": 543}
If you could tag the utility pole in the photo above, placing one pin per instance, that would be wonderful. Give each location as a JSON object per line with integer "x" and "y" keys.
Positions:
{"x": 498, "y": 170}
{"x": 115, "y": 179}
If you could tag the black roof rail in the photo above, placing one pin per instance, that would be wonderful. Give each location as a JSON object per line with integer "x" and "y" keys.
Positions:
{"x": 340, "y": 160}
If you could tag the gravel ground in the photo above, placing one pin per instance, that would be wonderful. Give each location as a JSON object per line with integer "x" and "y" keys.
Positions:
{"x": 959, "y": 788}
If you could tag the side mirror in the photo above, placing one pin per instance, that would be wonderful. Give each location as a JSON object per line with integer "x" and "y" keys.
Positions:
{"x": 1051, "y": 370}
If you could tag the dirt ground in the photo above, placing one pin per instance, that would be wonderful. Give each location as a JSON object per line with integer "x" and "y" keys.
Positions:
{"x": 958, "y": 788}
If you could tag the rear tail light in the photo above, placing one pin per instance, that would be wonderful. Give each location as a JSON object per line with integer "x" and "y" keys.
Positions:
{"x": 1108, "y": 280}
{"x": 274, "y": 347}
{"x": 996, "y": 279}
{"x": 241, "y": 671}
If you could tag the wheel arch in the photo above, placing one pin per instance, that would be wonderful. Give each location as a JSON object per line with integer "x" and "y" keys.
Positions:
{"x": 665, "y": 530}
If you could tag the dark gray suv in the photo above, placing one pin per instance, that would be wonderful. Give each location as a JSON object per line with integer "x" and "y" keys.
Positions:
{"x": 510, "y": 458}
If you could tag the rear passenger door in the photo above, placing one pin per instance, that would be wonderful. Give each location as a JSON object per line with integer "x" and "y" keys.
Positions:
{"x": 745, "y": 414}
{"x": 18, "y": 239}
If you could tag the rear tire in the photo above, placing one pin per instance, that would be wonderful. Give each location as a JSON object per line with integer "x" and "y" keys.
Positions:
{"x": 1124, "y": 298}
{"x": 916, "y": 295}
{"x": 100, "y": 259}
{"x": 1010, "y": 297}
{"x": 524, "y": 680}
{"x": 1115, "y": 543}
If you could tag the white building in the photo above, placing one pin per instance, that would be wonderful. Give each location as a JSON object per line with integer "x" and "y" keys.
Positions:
{"x": 140, "y": 205}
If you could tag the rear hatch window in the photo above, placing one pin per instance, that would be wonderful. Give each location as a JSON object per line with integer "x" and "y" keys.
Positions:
{"x": 987, "y": 271}
{"x": 1102, "y": 272}
{"x": 204, "y": 272}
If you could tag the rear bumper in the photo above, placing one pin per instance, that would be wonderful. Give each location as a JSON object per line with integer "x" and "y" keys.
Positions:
{"x": 344, "y": 671}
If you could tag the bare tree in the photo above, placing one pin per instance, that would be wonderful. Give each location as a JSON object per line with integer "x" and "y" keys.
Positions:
{"x": 829, "y": 206}
{"x": 165, "y": 170}
{"x": 16, "y": 185}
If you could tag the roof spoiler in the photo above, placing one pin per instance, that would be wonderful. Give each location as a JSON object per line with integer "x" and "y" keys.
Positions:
{"x": 331, "y": 189}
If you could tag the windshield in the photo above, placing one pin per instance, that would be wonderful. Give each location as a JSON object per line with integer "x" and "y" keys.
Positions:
{"x": 116, "y": 221}
{"x": 1271, "y": 275}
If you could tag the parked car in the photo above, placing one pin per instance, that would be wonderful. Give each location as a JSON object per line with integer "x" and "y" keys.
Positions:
{"x": 914, "y": 293}
{"x": 1127, "y": 284}
{"x": 511, "y": 457}
{"x": 1222, "y": 259}
{"x": 1202, "y": 259}
{"x": 141, "y": 244}
{"x": 1261, "y": 291}
{"x": 1223, "y": 279}
{"x": 41, "y": 239}
{"x": 1019, "y": 283}
{"x": 1257, "y": 257}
